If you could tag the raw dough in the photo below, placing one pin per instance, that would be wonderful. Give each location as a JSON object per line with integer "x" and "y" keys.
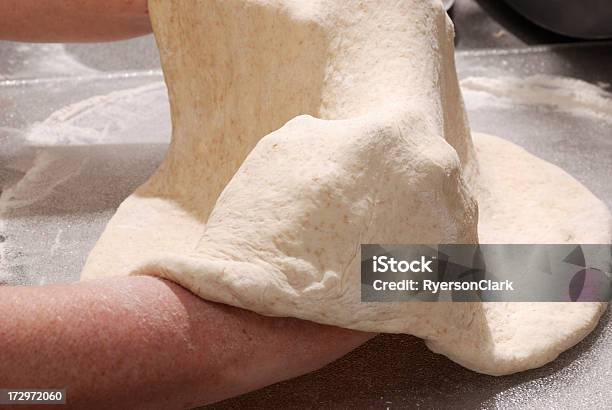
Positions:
{"x": 263, "y": 206}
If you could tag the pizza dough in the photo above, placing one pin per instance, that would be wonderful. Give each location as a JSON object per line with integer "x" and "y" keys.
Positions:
{"x": 305, "y": 128}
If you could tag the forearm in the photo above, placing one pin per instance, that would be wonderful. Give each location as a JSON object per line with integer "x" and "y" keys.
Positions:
{"x": 72, "y": 20}
{"x": 141, "y": 341}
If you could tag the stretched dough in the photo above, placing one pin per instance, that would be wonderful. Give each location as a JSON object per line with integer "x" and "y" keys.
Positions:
{"x": 305, "y": 128}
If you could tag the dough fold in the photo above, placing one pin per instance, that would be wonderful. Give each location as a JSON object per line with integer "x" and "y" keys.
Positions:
{"x": 302, "y": 129}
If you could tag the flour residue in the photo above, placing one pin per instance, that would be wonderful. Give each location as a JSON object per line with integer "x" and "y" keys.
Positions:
{"x": 58, "y": 155}
{"x": 139, "y": 115}
{"x": 562, "y": 93}
{"x": 43, "y": 60}
{"x": 122, "y": 117}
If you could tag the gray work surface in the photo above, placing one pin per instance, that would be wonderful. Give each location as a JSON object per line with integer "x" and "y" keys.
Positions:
{"x": 54, "y": 233}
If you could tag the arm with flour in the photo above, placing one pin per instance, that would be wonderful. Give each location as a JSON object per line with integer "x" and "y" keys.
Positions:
{"x": 73, "y": 20}
{"x": 144, "y": 342}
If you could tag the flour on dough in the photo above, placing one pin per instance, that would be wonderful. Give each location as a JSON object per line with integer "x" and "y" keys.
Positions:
{"x": 302, "y": 129}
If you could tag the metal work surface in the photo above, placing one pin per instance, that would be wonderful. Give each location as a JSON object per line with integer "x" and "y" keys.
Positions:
{"x": 61, "y": 184}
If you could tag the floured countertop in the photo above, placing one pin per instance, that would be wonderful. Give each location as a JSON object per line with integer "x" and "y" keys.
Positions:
{"x": 76, "y": 141}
